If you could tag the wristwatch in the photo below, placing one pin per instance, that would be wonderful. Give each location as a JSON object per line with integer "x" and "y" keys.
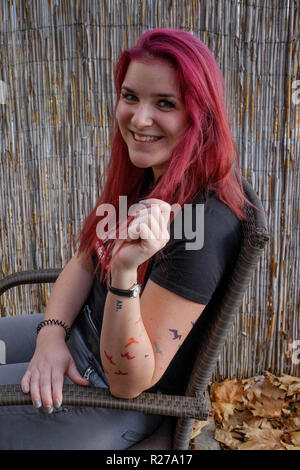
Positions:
{"x": 132, "y": 292}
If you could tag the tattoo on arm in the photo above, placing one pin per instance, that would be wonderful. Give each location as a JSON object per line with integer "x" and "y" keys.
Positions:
{"x": 119, "y": 304}
{"x": 131, "y": 341}
{"x": 109, "y": 358}
{"x": 158, "y": 351}
{"x": 128, "y": 356}
{"x": 175, "y": 333}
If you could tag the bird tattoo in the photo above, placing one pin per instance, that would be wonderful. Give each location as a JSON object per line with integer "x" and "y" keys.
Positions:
{"x": 109, "y": 358}
{"x": 131, "y": 341}
{"x": 127, "y": 355}
{"x": 175, "y": 333}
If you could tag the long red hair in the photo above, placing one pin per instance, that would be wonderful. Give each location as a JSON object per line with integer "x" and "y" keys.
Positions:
{"x": 206, "y": 158}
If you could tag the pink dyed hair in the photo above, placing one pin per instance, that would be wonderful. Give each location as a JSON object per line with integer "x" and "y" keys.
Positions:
{"x": 206, "y": 158}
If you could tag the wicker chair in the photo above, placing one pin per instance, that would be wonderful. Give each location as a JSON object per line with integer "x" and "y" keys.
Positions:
{"x": 175, "y": 432}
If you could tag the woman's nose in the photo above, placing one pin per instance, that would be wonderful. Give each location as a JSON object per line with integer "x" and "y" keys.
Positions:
{"x": 142, "y": 116}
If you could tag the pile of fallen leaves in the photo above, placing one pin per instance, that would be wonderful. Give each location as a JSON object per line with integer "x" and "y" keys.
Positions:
{"x": 259, "y": 413}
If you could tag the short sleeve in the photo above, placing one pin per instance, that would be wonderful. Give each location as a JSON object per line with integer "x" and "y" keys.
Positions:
{"x": 195, "y": 274}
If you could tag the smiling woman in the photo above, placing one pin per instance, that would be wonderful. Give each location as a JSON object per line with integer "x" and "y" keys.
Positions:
{"x": 133, "y": 303}
{"x": 150, "y": 124}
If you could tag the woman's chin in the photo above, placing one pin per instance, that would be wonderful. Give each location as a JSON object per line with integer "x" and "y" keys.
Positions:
{"x": 140, "y": 164}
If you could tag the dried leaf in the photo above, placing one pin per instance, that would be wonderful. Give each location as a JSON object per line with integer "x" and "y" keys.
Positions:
{"x": 295, "y": 438}
{"x": 293, "y": 389}
{"x": 254, "y": 388}
{"x": 238, "y": 419}
{"x": 229, "y": 391}
{"x": 223, "y": 410}
{"x": 198, "y": 425}
{"x": 286, "y": 382}
{"x": 292, "y": 424}
{"x": 271, "y": 391}
{"x": 258, "y": 413}
{"x": 290, "y": 447}
{"x": 262, "y": 439}
{"x": 267, "y": 408}
{"x": 227, "y": 439}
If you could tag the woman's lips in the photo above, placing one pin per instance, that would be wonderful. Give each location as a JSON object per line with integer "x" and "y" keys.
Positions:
{"x": 143, "y": 142}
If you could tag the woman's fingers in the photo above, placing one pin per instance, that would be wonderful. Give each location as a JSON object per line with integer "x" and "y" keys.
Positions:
{"x": 35, "y": 389}
{"x": 150, "y": 204}
{"x": 156, "y": 207}
{"x": 25, "y": 382}
{"x": 73, "y": 374}
{"x": 57, "y": 387}
{"x": 155, "y": 217}
{"x": 46, "y": 391}
{"x": 45, "y": 388}
{"x": 155, "y": 227}
{"x": 45, "y": 374}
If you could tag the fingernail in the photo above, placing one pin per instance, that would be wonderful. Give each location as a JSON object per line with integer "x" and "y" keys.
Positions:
{"x": 25, "y": 389}
{"x": 37, "y": 404}
{"x": 56, "y": 404}
{"x": 49, "y": 409}
{"x": 143, "y": 202}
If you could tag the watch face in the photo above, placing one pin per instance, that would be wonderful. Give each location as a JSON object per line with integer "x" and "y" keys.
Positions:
{"x": 136, "y": 291}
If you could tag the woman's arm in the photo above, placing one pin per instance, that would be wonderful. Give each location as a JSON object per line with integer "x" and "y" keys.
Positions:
{"x": 69, "y": 292}
{"x": 52, "y": 359}
{"x": 124, "y": 341}
{"x": 140, "y": 336}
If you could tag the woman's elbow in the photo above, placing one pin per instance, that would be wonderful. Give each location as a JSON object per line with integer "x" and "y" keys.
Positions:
{"x": 126, "y": 392}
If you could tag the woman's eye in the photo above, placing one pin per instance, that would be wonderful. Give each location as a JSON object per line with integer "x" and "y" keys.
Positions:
{"x": 168, "y": 104}
{"x": 171, "y": 105}
{"x": 127, "y": 96}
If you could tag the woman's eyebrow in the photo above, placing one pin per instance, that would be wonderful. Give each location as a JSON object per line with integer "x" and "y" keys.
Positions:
{"x": 169, "y": 95}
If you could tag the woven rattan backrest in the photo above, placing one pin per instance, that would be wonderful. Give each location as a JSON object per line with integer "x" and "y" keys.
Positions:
{"x": 219, "y": 314}
{"x": 222, "y": 308}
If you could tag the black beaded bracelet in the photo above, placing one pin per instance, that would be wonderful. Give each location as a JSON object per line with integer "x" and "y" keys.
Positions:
{"x": 55, "y": 322}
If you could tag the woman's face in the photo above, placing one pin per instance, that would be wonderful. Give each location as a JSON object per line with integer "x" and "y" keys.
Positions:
{"x": 145, "y": 109}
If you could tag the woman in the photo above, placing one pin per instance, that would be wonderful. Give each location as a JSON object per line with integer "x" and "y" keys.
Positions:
{"x": 134, "y": 300}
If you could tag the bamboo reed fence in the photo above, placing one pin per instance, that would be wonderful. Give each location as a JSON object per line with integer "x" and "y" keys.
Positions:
{"x": 56, "y": 64}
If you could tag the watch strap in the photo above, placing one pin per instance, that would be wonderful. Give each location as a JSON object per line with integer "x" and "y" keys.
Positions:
{"x": 133, "y": 291}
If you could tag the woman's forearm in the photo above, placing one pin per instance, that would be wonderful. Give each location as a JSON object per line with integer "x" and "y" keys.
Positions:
{"x": 125, "y": 348}
{"x": 68, "y": 294}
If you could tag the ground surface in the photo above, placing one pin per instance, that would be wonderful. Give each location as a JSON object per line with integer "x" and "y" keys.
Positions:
{"x": 259, "y": 413}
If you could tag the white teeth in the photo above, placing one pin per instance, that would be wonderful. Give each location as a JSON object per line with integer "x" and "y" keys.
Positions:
{"x": 145, "y": 138}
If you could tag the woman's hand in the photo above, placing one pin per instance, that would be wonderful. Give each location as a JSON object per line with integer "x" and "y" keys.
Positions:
{"x": 147, "y": 234}
{"x": 45, "y": 374}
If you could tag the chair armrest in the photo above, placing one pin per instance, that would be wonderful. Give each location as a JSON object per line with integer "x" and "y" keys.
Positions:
{"x": 152, "y": 403}
{"x": 38, "y": 276}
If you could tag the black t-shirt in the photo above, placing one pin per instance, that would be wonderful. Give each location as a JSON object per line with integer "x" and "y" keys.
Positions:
{"x": 192, "y": 274}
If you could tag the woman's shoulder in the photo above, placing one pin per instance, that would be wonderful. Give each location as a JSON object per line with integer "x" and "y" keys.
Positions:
{"x": 208, "y": 212}
{"x": 212, "y": 204}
